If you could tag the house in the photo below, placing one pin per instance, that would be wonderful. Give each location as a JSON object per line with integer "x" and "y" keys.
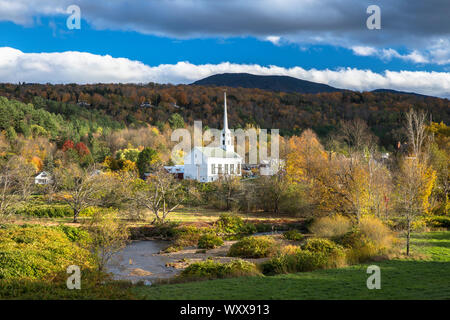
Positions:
{"x": 177, "y": 171}
{"x": 146, "y": 105}
{"x": 43, "y": 178}
{"x": 206, "y": 164}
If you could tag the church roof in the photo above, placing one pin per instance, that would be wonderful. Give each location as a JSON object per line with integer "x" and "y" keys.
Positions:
{"x": 217, "y": 152}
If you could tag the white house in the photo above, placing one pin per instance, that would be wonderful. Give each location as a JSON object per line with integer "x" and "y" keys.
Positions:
{"x": 43, "y": 178}
{"x": 206, "y": 164}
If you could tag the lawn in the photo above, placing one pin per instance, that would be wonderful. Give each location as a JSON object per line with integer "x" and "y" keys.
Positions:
{"x": 424, "y": 278}
{"x": 198, "y": 214}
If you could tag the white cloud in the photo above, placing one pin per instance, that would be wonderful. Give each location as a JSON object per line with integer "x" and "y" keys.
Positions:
{"x": 274, "y": 39}
{"x": 364, "y": 51}
{"x": 82, "y": 67}
{"x": 388, "y": 54}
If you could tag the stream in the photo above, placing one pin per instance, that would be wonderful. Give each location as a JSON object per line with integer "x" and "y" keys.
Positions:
{"x": 139, "y": 261}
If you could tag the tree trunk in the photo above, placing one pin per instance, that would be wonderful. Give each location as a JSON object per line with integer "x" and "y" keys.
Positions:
{"x": 408, "y": 237}
{"x": 76, "y": 212}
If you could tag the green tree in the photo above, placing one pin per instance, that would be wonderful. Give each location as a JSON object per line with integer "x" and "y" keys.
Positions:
{"x": 176, "y": 121}
{"x": 147, "y": 157}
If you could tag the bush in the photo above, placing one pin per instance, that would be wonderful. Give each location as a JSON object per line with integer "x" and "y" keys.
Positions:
{"x": 253, "y": 247}
{"x": 209, "y": 241}
{"x": 315, "y": 254}
{"x": 293, "y": 235}
{"x": 263, "y": 227}
{"x": 359, "y": 247}
{"x": 46, "y": 211}
{"x": 187, "y": 236}
{"x": 37, "y": 252}
{"x": 374, "y": 229}
{"x": 438, "y": 222}
{"x": 166, "y": 230}
{"x": 330, "y": 254}
{"x": 371, "y": 238}
{"x": 328, "y": 227}
{"x": 74, "y": 234}
{"x": 210, "y": 269}
{"x": 229, "y": 223}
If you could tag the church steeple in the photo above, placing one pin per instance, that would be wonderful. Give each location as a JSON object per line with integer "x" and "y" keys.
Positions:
{"x": 225, "y": 138}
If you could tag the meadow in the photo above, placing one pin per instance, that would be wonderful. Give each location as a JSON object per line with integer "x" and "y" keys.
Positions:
{"x": 424, "y": 276}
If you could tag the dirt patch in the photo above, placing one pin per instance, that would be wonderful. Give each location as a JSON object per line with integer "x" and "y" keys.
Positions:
{"x": 139, "y": 273}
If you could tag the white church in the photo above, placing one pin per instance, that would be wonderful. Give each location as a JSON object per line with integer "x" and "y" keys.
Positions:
{"x": 206, "y": 164}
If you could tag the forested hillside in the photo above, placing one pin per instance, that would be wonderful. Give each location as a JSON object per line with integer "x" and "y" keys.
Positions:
{"x": 272, "y": 83}
{"x": 134, "y": 105}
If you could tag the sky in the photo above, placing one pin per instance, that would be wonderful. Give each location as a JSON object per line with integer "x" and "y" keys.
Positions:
{"x": 181, "y": 41}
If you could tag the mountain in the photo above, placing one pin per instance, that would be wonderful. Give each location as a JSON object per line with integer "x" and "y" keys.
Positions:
{"x": 272, "y": 83}
{"x": 398, "y": 92}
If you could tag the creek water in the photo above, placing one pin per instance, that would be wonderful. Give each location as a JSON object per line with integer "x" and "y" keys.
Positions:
{"x": 139, "y": 261}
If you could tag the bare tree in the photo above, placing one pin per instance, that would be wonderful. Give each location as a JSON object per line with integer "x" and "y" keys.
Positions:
{"x": 79, "y": 186}
{"x": 356, "y": 135}
{"x": 15, "y": 177}
{"x": 161, "y": 193}
{"x": 418, "y": 137}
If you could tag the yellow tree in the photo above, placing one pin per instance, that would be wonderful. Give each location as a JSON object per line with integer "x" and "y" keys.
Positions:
{"x": 305, "y": 153}
{"x": 414, "y": 184}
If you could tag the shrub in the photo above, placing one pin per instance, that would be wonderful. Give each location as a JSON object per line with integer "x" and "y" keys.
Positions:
{"x": 210, "y": 269}
{"x": 263, "y": 227}
{"x": 229, "y": 223}
{"x": 371, "y": 238}
{"x": 46, "y": 211}
{"x": 253, "y": 247}
{"x": 303, "y": 261}
{"x": 359, "y": 247}
{"x": 187, "y": 236}
{"x": 328, "y": 227}
{"x": 74, "y": 234}
{"x": 209, "y": 241}
{"x": 164, "y": 230}
{"x": 328, "y": 253}
{"x": 438, "y": 222}
{"x": 37, "y": 252}
{"x": 290, "y": 249}
{"x": 293, "y": 235}
{"x": 374, "y": 229}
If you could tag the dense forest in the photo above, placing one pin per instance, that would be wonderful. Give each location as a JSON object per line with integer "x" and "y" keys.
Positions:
{"x": 133, "y": 105}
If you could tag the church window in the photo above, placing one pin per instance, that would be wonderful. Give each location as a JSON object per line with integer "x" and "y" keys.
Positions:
{"x": 238, "y": 168}
{"x": 231, "y": 168}
{"x": 226, "y": 168}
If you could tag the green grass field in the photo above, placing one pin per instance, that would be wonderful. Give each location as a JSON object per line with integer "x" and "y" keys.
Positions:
{"x": 424, "y": 278}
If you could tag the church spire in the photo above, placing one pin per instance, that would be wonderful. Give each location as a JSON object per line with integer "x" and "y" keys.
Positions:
{"x": 225, "y": 139}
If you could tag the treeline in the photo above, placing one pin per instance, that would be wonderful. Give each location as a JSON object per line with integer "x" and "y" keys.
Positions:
{"x": 135, "y": 105}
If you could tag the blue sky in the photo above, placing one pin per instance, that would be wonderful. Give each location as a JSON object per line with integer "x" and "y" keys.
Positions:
{"x": 52, "y": 35}
{"x": 185, "y": 40}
